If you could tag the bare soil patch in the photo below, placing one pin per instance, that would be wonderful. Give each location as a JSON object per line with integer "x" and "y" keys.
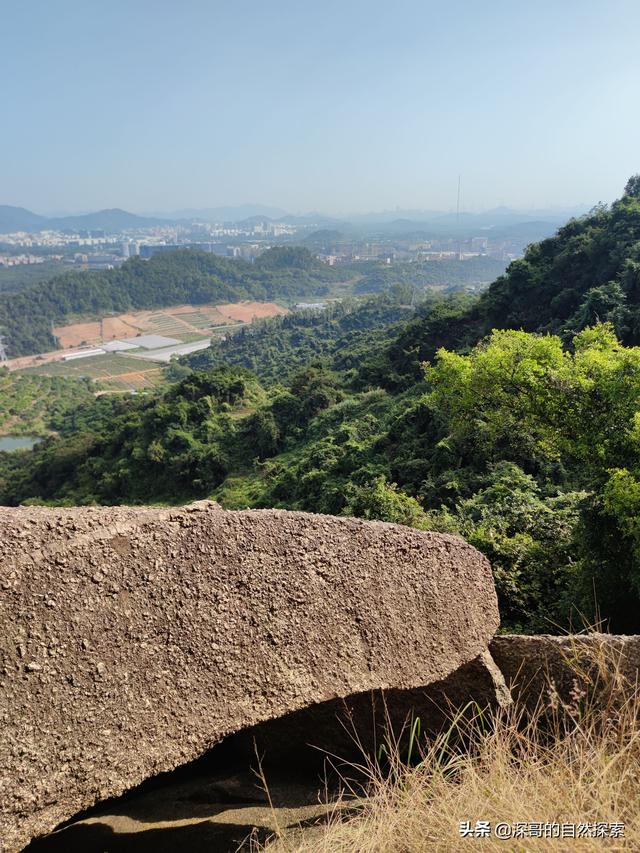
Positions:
{"x": 245, "y": 312}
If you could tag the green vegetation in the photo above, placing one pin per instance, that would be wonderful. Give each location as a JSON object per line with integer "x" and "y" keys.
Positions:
{"x": 36, "y": 405}
{"x": 449, "y": 273}
{"x": 524, "y": 441}
{"x": 589, "y": 272}
{"x": 18, "y": 278}
{"x": 275, "y": 348}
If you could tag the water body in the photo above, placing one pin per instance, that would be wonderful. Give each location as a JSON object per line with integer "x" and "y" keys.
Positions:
{"x": 18, "y": 442}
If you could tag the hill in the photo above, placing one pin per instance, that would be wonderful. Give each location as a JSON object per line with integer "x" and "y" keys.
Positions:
{"x": 237, "y": 213}
{"x": 169, "y": 278}
{"x": 22, "y": 276}
{"x": 276, "y": 348}
{"x": 588, "y": 272}
{"x": 19, "y": 219}
{"x": 113, "y": 221}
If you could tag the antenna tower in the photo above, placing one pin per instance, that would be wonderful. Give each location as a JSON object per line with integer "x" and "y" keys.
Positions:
{"x": 3, "y": 351}
{"x": 458, "y": 221}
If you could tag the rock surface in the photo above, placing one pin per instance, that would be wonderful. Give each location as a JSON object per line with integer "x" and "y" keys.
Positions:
{"x": 344, "y": 729}
{"x": 545, "y": 669}
{"x": 133, "y": 640}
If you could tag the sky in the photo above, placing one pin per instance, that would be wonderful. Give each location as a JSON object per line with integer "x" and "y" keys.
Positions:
{"x": 338, "y": 106}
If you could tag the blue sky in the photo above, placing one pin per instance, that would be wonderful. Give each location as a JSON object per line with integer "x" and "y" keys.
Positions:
{"x": 333, "y": 106}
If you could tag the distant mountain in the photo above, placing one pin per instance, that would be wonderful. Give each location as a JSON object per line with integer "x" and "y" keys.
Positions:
{"x": 226, "y": 214}
{"x": 106, "y": 220}
{"x": 114, "y": 220}
{"x": 437, "y": 221}
{"x": 528, "y": 232}
{"x": 312, "y": 220}
{"x": 385, "y": 216}
{"x": 19, "y": 219}
{"x": 399, "y": 221}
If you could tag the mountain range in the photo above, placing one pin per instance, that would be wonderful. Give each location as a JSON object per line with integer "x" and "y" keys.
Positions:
{"x": 116, "y": 220}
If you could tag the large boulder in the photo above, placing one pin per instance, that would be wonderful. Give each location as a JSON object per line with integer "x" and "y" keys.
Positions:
{"x": 133, "y": 640}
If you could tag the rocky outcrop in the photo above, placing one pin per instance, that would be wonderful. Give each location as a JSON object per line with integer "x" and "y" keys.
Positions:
{"x": 546, "y": 670}
{"x": 133, "y": 640}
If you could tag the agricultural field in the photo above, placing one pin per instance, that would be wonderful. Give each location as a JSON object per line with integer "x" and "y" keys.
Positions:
{"x": 247, "y": 312}
{"x": 113, "y": 371}
{"x": 185, "y": 322}
{"x": 123, "y": 372}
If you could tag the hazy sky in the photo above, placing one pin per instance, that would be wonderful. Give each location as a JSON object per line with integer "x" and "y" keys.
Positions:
{"x": 331, "y": 105}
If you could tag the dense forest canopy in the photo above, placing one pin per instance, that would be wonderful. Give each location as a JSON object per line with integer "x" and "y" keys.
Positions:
{"x": 512, "y": 419}
{"x": 23, "y": 276}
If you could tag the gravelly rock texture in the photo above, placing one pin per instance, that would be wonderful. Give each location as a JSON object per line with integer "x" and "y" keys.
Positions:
{"x": 596, "y": 665}
{"x": 132, "y": 640}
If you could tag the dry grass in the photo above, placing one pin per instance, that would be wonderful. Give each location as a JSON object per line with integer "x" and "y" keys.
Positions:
{"x": 573, "y": 762}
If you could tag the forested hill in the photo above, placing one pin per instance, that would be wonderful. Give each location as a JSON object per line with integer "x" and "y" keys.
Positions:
{"x": 588, "y": 272}
{"x": 450, "y": 273}
{"x": 166, "y": 279}
{"x": 275, "y": 348}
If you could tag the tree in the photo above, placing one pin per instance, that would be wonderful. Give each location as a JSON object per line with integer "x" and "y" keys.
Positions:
{"x": 606, "y": 303}
{"x": 632, "y": 187}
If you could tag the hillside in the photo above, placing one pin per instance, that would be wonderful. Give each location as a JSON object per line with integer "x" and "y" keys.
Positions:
{"x": 450, "y": 274}
{"x": 22, "y": 276}
{"x": 527, "y": 444}
{"x": 588, "y": 272}
{"x": 19, "y": 219}
{"x": 275, "y": 349}
{"x": 169, "y": 278}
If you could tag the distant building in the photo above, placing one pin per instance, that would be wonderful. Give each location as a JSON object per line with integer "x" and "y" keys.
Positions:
{"x": 99, "y": 261}
{"x": 479, "y": 244}
{"x": 87, "y": 353}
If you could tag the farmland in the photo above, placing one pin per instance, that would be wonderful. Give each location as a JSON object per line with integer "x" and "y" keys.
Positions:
{"x": 124, "y": 372}
{"x": 185, "y": 322}
{"x": 113, "y": 371}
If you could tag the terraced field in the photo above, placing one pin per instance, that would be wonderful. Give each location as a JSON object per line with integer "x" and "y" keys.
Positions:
{"x": 117, "y": 372}
{"x": 185, "y": 322}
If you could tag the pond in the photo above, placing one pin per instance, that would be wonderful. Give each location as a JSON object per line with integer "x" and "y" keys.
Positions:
{"x": 18, "y": 442}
